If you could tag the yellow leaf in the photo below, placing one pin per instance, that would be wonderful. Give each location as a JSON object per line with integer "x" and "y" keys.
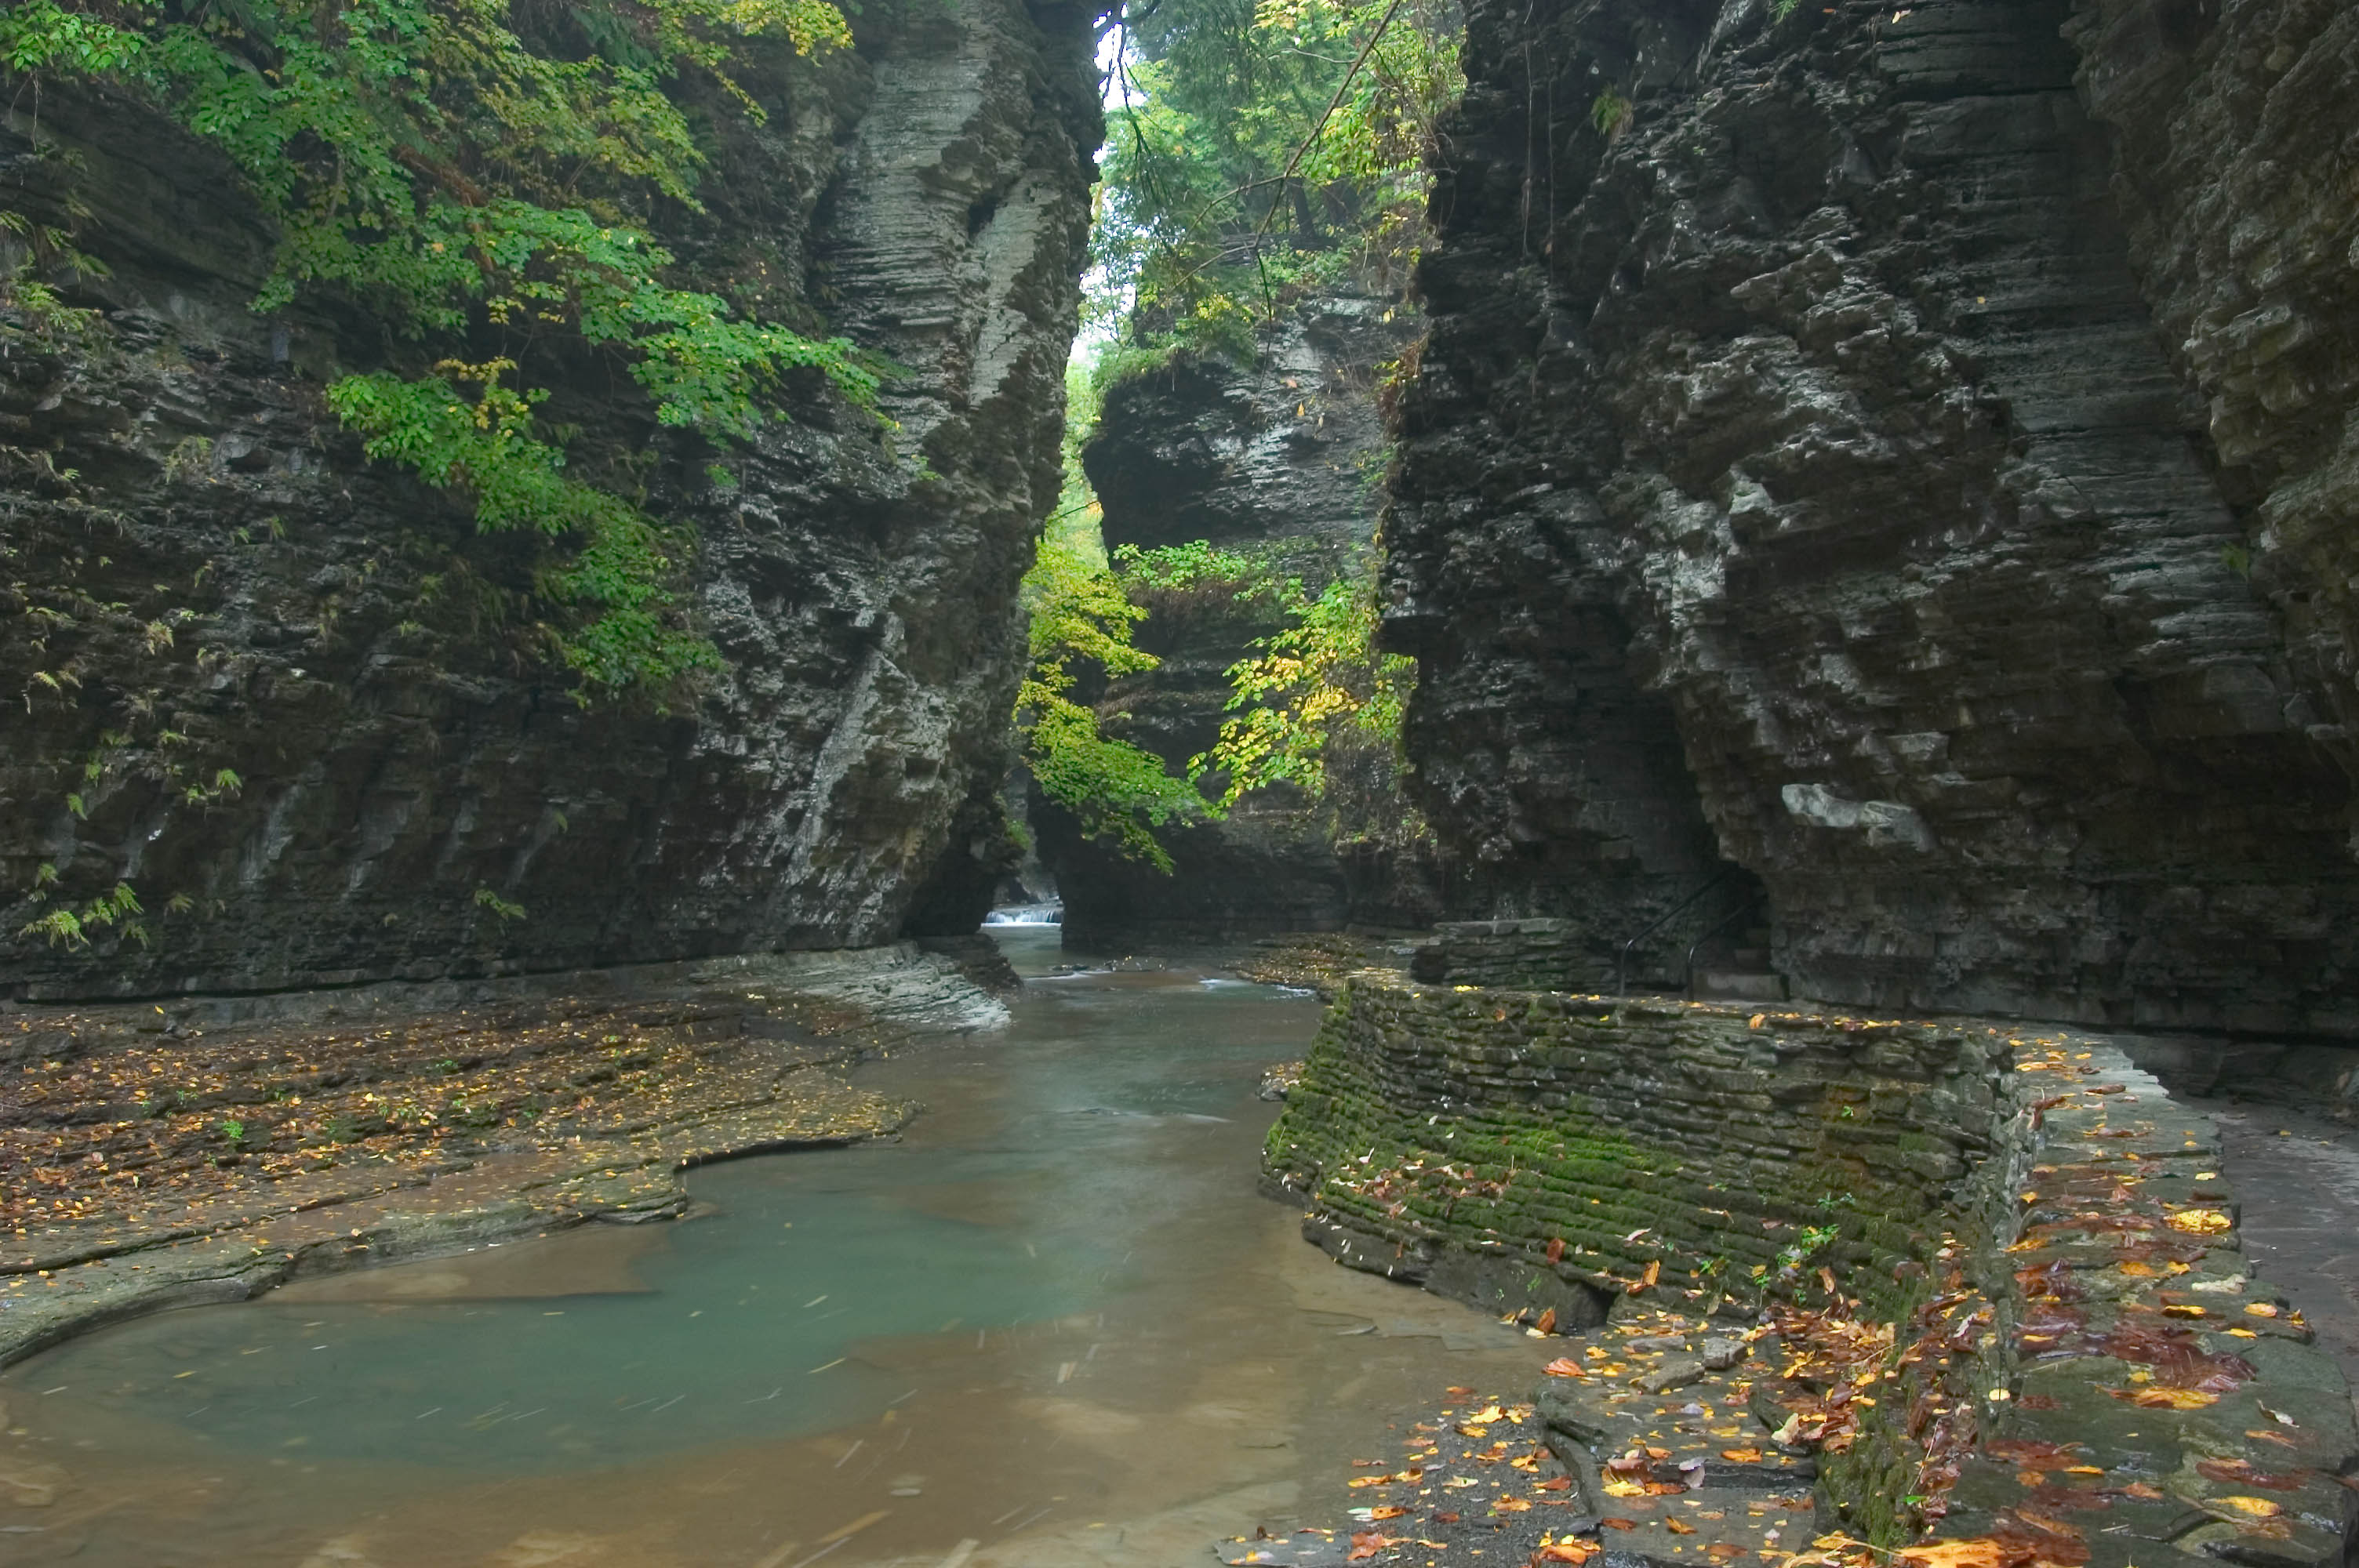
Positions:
{"x": 2258, "y": 1507}
{"x": 1974, "y": 1553}
{"x": 2199, "y": 1221}
{"x": 2166, "y": 1398}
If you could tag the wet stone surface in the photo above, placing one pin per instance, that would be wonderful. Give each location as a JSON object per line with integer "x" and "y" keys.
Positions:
{"x": 2168, "y": 1400}
{"x": 1588, "y": 1465}
{"x": 153, "y": 1159}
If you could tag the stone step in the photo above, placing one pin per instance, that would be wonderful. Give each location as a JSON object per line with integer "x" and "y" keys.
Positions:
{"x": 1740, "y": 984}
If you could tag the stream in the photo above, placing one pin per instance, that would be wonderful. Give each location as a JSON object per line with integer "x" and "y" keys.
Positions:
{"x": 1053, "y": 1324}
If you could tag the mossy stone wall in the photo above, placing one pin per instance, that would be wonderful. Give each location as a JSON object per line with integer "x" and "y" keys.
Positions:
{"x": 1721, "y": 1147}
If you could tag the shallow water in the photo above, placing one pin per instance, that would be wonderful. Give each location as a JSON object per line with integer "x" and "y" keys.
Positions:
{"x": 1055, "y": 1321}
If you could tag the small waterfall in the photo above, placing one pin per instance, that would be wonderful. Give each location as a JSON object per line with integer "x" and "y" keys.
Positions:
{"x": 1051, "y": 913}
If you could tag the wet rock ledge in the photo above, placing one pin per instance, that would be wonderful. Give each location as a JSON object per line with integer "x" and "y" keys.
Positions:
{"x": 1999, "y": 1268}
{"x": 155, "y": 1156}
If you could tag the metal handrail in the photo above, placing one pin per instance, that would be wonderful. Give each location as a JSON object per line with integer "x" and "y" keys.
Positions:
{"x": 1687, "y": 966}
{"x": 1622, "y": 968}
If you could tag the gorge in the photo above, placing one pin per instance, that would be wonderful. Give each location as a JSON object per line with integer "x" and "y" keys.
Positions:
{"x": 1859, "y": 498}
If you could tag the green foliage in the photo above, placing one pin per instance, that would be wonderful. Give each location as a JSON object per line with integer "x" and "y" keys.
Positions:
{"x": 1316, "y": 704}
{"x": 1611, "y": 113}
{"x": 487, "y": 448}
{"x": 486, "y": 899}
{"x": 1264, "y": 150}
{"x": 1118, "y": 792}
{"x": 1191, "y": 567}
{"x": 65, "y": 927}
{"x": 467, "y": 167}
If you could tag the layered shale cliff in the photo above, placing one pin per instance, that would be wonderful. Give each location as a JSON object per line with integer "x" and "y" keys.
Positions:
{"x": 1907, "y": 453}
{"x": 1281, "y": 462}
{"x": 202, "y": 573}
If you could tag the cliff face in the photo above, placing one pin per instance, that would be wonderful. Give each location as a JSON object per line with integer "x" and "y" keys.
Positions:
{"x": 202, "y": 571}
{"x": 1811, "y": 466}
{"x": 1284, "y": 461}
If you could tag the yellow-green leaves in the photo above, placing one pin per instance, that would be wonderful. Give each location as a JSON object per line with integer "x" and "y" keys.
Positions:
{"x": 1118, "y": 792}
{"x": 1315, "y": 688}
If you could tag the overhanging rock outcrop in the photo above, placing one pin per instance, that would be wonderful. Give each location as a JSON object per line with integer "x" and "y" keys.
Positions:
{"x": 1282, "y": 462}
{"x": 203, "y": 573}
{"x": 2055, "y": 1341}
{"x": 1892, "y": 449}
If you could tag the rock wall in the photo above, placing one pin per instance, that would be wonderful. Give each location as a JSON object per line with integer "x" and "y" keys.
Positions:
{"x": 1283, "y": 460}
{"x": 1810, "y": 466}
{"x": 203, "y": 572}
{"x": 2048, "y": 1236}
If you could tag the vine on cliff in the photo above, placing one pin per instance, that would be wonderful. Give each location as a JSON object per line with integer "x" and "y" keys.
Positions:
{"x": 463, "y": 168}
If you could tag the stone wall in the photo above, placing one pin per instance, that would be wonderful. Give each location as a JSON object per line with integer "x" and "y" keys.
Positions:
{"x": 1690, "y": 1140}
{"x": 1857, "y": 461}
{"x": 2048, "y": 1236}
{"x": 414, "y": 763}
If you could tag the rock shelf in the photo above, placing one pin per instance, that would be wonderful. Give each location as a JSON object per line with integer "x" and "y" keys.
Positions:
{"x": 1988, "y": 1276}
{"x": 211, "y": 1152}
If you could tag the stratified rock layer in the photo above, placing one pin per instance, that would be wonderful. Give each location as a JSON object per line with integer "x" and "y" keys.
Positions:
{"x": 1797, "y": 473}
{"x": 1283, "y": 460}
{"x": 414, "y": 767}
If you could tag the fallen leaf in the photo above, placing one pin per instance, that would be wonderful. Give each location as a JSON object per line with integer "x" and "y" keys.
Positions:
{"x": 1724, "y": 1552}
{"x": 1556, "y": 1250}
{"x": 2241, "y": 1471}
{"x": 1445, "y": 1519}
{"x": 2198, "y": 1221}
{"x": 2166, "y": 1398}
{"x": 1556, "y": 1484}
{"x": 2257, "y": 1508}
{"x": 1547, "y": 1323}
{"x": 1367, "y": 1543}
{"x": 1388, "y": 1511}
{"x": 1654, "y": 1271}
{"x": 1980, "y": 1552}
{"x": 1619, "y": 1523}
{"x": 1678, "y": 1527}
{"x": 1573, "y": 1551}
{"x": 1742, "y": 1455}
{"x": 1564, "y": 1367}
{"x": 1511, "y": 1505}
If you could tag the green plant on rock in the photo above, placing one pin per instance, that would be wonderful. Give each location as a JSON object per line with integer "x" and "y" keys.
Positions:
{"x": 1316, "y": 702}
{"x": 67, "y": 927}
{"x": 501, "y": 908}
{"x": 475, "y": 171}
{"x": 1118, "y": 792}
